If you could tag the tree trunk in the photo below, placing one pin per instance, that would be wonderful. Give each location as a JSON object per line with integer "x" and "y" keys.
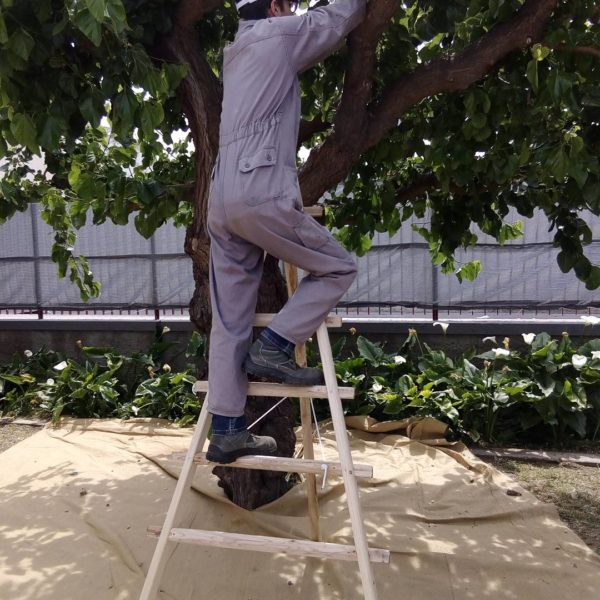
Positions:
{"x": 251, "y": 489}
{"x": 200, "y": 97}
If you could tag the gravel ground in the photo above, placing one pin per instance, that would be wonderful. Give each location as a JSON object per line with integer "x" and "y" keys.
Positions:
{"x": 12, "y": 434}
{"x": 574, "y": 489}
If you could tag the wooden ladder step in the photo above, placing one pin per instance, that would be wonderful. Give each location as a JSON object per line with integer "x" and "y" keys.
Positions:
{"x": 279, "y": 390}
{"x": 262, "y": 543}
{"x": 264, "y": 320}
{"x": 292, "y": 465}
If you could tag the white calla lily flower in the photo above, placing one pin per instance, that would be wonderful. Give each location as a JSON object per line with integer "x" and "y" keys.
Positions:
{"x": 578, "y": 360}
{"x": 377, "y": 387}
{"x": 590, "y": 319}
{"x": 61, "y": 365}
{"x": 490, "y": 338}
{"x": 49, "y": 381}
{"x": 28, "y": 353}
{"x": 443, "y": 325}
{"x": 501, "y": 352}
{"x": 595, "y": 353}
{"x": 528, "y": 338}
{"x": 399, "y": 360}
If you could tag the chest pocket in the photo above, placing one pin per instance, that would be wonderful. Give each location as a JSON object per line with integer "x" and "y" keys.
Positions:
{"x": 261, "y": 180}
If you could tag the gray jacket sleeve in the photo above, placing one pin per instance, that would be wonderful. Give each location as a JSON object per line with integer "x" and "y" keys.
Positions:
{"x": 313, "y": 36}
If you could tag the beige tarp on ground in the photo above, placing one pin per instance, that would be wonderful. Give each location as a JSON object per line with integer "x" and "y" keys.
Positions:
{"x": 76, "y": 500}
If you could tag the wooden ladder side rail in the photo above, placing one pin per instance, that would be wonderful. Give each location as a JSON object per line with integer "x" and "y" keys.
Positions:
{"x": 184, "y": 484}
{"x": 291, "y": 278}
{"x": 343, "y": 446}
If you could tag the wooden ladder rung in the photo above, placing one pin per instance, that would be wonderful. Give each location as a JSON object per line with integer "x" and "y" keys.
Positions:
{"x": 292, "y": 465}
{"x": 264, "y": 320}
{"x": 282, "y": 389}
{"x": 316, "y": 210}
{"x": 262, "y": 543}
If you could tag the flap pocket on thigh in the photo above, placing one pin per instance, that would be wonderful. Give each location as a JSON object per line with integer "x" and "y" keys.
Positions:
{"x": 311, "y": 233}
{"x": 260, "y": 180}
{"x": 263, "y": 158}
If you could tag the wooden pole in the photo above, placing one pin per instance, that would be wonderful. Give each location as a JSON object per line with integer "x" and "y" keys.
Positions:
{"x": 343, "y": 444}
{"x": 291, "y": 276}
{"x": 184, "y": 483}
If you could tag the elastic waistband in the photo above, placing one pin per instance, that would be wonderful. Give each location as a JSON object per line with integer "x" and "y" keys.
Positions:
{"x": 248, "y": 130}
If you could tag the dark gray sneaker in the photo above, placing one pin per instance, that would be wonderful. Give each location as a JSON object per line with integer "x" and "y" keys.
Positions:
{"x": 268, "y": 361}
{"x": 225, "y": 449}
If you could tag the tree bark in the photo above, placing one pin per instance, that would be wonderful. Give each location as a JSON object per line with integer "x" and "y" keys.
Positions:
{"x": 251, "y": 489}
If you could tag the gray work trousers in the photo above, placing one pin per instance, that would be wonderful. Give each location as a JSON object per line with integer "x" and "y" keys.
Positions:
{"x": 241, "y": 231}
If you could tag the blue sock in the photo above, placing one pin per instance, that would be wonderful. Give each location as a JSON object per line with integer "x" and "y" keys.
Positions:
{"x": 274, "y": 339}
{"x": 222, "y": 425}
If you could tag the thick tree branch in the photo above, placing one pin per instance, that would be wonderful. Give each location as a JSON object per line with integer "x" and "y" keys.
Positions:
{"x": 309, "y": 128}
{"x": 591, "y": 50}
{"x": 358, "y": 82}
{"x": 417, "y": 189}
{"x": 330, "y": 163}
{"x": 461, "y": 71}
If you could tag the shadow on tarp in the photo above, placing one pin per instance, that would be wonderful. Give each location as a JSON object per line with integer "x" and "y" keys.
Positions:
{"x": 76, "y": 501}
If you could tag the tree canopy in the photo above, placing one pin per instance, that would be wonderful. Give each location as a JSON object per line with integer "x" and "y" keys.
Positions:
{"x": 463, "y": 108}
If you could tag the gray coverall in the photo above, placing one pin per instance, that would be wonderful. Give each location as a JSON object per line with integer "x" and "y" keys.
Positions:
{"x": 255, "y": 203}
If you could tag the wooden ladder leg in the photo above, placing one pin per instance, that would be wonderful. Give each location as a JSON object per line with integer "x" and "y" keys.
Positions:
{"x": 159, "y": 559}
{"x": 343, "y": 444}
{"x": 291, "y": 277}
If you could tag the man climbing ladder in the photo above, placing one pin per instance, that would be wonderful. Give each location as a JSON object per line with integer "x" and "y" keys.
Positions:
{"x": 255, "y": 206}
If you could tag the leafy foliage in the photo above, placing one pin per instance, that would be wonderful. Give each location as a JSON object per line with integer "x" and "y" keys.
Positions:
{"x": 81, "y": 85}
{"x": 107, "y": 384}
{"x": 501, "y": 394}
{"x": 78, "y": 86}
{"x": 498, "y": 395}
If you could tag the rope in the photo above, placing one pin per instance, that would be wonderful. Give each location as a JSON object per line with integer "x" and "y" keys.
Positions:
{"x": 324, "y": 466}
{"x": 263, "y": 416}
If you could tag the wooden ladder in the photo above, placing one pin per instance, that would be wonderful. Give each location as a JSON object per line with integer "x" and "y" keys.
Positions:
{"x": 360, "y": 551}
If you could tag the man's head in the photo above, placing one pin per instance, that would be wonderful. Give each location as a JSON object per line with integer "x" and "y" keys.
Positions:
{"x": 262, "y": 9}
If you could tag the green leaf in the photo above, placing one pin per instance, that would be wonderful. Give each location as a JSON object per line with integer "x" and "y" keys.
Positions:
{"x": 21, "y": 43}
{"x": 3, "y": 32}
{"x": 469, "y": 271}
{"x": 116, "y": 11}
{"x": 592, "y": 281}
{"x": 52, "y": 129}
{"x": 151, "y": 117}
{"x": 23, "y": 128}
{"x": 578, "y": 172}
{"x": 74, "y": 174}
{"x": 13, "y": 379}
{"x": 576, "y": 421}
{"x": 558, "y": 164}
{"x": 96, "y": 8}
{"x": 89, "y": 109}
{"x": 86, "y": 186}
{"x": 532, "y": 74}
{"x": 541, "y": 339}
{"x": 124, "y": 108}
{"x": 566, "y": 260}
{"x": 368, "y": 350}
{"x": 89, "y": 26}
